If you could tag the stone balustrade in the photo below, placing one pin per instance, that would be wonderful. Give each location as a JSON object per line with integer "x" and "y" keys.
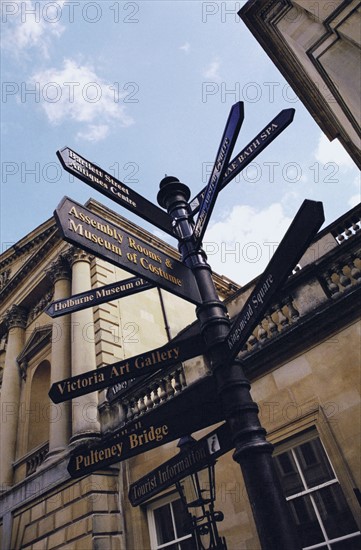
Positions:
{"x": 29, "y": 463}
{"x": 142, "y": 397}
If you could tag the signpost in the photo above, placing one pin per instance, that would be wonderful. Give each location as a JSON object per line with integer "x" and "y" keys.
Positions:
{"x": 99, "y": 295}
{"x": 225, "y": 395}
{"x": 113, "y": 188}
{"x": 302, "y": 230}
{"x": 140, "y": 365}
{"x": 208, "y": 448}
{"x": 252, "y": 451}
{"x": 81, "y": 227}
{"x": 226, "y": 146}
{"x": 195, "y": 408}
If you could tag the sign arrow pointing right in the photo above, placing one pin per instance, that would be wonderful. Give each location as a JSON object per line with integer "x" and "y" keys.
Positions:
{"x": 250, "y": 152}
{"x": 301, "y": 232}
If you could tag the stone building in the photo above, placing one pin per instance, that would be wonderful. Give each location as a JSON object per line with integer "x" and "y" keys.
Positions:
{"x": 303, "y": 361}
{"x": 316, "y": 47}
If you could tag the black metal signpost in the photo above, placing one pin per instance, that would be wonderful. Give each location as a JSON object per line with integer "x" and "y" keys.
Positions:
{"x": 226, "y": 394}
{"x": 252, "y": 451}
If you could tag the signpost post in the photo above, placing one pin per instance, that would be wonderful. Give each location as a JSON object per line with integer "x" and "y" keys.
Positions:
{"x": 253, "y": 452}
{"x": 226, "y": 394}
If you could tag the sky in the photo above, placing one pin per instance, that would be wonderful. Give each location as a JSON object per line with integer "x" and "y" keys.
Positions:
{"x": 144, "y": 89}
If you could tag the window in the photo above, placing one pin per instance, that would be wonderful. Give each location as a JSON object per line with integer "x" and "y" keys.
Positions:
{"x": 168, "y": 525}
{"x": 319, "y": 507}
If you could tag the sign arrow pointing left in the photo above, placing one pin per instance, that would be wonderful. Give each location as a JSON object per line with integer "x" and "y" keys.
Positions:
{"x": 140, "y": 365}
{"x": 114, "y": 189}
{"x": 89, "y": 231}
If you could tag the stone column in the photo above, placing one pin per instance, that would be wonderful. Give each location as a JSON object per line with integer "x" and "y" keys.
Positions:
{"x": 60, "y": 421}
{"x": 85, "y": 408}
{"x": 16, "y": 319}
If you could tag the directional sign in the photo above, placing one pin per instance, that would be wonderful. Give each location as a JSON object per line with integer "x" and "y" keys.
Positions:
{"x": 250, "y": 152}
{"x": 302, "y": 230}
{"x": 116, "y": 391}
{"x": 99, "y": 295}
{"x": 114, "y": 189}
{"x": 81, "y": 227}
{"x": 226, "y": 146}
{"x": 209, "y": 448}
{"x": 143, "y": 364}
{"x": 195, "y": 408}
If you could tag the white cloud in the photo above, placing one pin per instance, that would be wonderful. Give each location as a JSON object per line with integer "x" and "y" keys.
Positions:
{"x": 186, "y": 48}
{"x": 332, "y": 151}
{"x": 27, "y": 25}
{"x": 211, "y": 72}
{"x": 94, "y": 132}
{"x": 354, "y": 200}
{"x": 76, "y": 93}
{"x": 241, "y": 245}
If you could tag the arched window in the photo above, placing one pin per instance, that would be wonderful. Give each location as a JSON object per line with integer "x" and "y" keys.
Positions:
{"x": 38, "y": 425}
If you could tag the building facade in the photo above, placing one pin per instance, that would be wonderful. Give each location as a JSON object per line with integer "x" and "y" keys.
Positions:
{"x": 303, "y": 362}
{"x": 316, "y": 47}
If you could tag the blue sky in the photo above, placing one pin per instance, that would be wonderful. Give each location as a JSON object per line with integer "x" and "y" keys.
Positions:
{"x": 143, "y": 89}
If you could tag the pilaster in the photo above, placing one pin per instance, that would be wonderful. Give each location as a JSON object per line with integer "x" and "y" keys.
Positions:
{"x": 60, "y": 430}
{"x": 83, "y": 357}
{"x": 15, "y": 319}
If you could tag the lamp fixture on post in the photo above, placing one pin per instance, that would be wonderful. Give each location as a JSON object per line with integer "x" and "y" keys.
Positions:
{"x": 198, "y": 492}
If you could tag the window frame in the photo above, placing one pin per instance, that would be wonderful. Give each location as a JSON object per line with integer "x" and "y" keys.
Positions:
{"x": 289, "y": 445}
{"x": 151, "y": 507}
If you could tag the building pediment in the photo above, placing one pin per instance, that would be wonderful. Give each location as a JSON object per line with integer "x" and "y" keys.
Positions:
{"x": 38, "y": 339}
{"x": 19, "y": 260}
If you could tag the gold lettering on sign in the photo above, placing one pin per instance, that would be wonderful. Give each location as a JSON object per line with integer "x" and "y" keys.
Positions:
{"x": 95, "y": 456}
{"x": 156, "y": 357}
{"x": 159, "y": 272}
{"x": 147, "y": 436}
{"x": 140, "y": 248}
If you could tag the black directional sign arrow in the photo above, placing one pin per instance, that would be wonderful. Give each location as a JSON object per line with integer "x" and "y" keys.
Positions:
{"x": 226, "y": 146}
{"x": 143, "y": 364}
{"x": 116, "y": 391}
{"x": 302, "y": 230}
{"x": 81, "y": 227}
{"x": 99, "y": 295}
{"x": 200, "y": 453}
{"x": 113, "y": 188}
{"x": 195, "y": 408}
{"x": 250, "y": 152}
